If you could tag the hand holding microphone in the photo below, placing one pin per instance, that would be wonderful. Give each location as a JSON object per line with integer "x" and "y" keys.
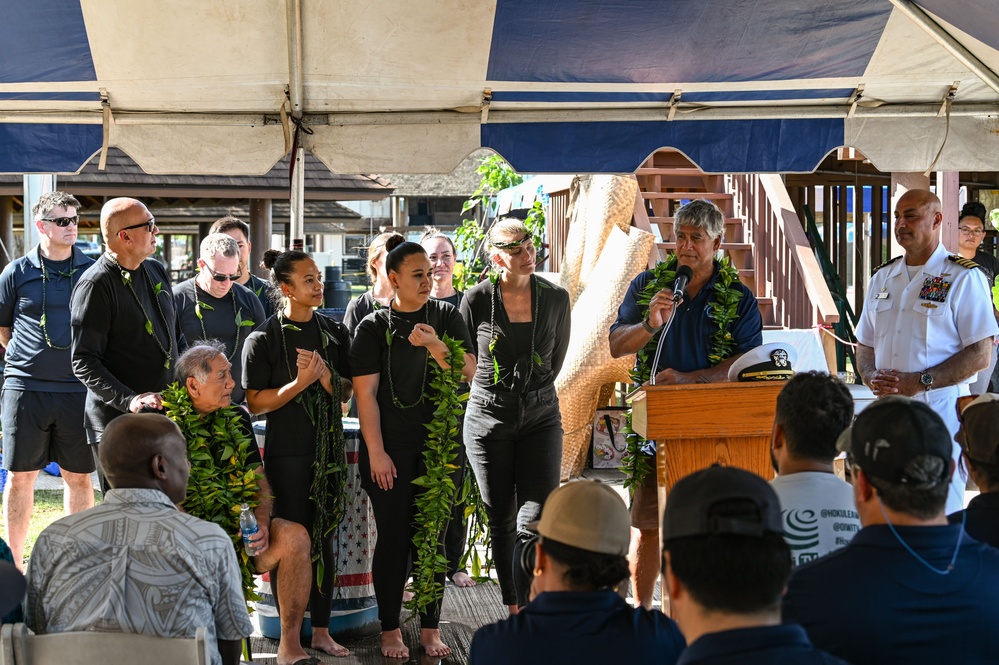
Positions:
{"x": 662, "y": 304}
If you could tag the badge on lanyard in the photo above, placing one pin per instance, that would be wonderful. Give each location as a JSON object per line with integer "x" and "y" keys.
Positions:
{"x": 934, "y": 289}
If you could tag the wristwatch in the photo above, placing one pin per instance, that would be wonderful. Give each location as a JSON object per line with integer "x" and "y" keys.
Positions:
{"x": 648, "y": 328}
{"x": 927, "y": 380}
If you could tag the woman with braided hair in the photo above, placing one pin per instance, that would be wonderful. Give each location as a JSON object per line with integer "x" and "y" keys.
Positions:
{"x": 296, "y": 370}
{"x": 389, "y": 359}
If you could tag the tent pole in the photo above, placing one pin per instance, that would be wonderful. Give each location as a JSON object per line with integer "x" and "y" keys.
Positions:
{"x": 294, "y": 8}
{"x": 297, "y": 217}
{"x": 951, "y": 45}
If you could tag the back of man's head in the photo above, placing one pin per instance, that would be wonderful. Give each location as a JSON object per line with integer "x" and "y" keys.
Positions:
{"x": 722, "y": 531}
{"x": 813, "y": 409}
{"x": 904, "y": 449}
{"x": 145, "y": 451}
{"x": 979, "y": 439}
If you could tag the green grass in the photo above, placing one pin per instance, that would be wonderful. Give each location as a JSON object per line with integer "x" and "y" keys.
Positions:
{"x": 48, "y": 508}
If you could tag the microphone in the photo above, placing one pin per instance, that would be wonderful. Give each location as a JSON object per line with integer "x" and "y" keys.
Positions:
{"x": 683, "y": 275}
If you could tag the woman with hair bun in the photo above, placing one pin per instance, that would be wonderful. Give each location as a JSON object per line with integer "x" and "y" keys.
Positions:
{"x": 389, "y": 359}
{"x": 296, "y": 370}
{"x": 971, "y": 232}
{"x": 513, "y": 428}
{"x": 380, "y": 294}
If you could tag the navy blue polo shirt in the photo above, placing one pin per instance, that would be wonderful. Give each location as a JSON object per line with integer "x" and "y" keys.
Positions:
{"x": 982, "y": 518}
{"x": 578, "y": 627}
{"x": 762, "y": 645}
{"x": 874, "y": 602}
{"x": 688, "y": 340}
{"x": 30, "y": 363}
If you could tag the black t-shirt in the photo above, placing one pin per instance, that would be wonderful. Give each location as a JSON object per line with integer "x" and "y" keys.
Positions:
{"x": 551, "y": 338}
{"x": 113, "y": 354}
{"x": 402, "y": 428}
{"x": 987, "y": 264}
{"x": 357, "y": 309}
{"x": 266, "y": 365}
{"x": 265, "y": 292}
{"x": 219, "y": 322}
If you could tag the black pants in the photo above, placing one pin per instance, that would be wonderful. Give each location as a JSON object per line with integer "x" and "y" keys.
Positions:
{"x": 514, "y": 446}
{"x": 394, "y": 511}
{"x": 291, "y": 481}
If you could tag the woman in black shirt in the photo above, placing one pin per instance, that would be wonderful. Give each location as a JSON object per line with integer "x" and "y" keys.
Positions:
{"x": 389, "y": 357}
{"x": 380, "y": 293}
{"x": 513, "y": 428}
{"x": 296, "y": 370}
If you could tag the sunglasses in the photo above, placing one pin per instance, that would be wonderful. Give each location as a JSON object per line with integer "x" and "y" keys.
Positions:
{"x": 149, "y": 224}
{"x": 64, "y": 221}
{"x": 221, "y": 276}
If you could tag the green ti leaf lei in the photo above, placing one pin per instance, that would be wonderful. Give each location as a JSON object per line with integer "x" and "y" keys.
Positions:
{"x": 328, "y": 491}
{"x": 721, "y": 309}
{"x": 221, "y": 478}
{"x": 435, "y": 502}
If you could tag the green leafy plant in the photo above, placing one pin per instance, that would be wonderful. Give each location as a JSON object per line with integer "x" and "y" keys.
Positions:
{"x": 436, "y": 500}
{"x": 221, "y": 477}
{"x": 478, "y": 561}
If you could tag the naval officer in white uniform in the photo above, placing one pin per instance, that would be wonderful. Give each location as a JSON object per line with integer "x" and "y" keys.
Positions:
{"x": 927, "y": 326}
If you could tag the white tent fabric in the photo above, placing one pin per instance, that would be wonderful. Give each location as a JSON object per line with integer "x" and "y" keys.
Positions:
{"x": 211, "y": 86}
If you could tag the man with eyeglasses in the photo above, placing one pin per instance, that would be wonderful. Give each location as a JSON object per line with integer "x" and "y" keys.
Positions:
{"x": 927, "y": 325}
{"x": 971, "y": 232}
{"x": 212, "y": 305}
{"x": 125, "y": 333}
{"x": 42, "y": 402}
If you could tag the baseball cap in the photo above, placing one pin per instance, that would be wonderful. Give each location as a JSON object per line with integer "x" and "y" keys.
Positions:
{"x": 12, "y": 586}
{"x": 588, "y": 515}
{"x": 979, "y": 433}
{"x": 769, "y": 362}
{"x": 892, "y": 432}
{"x": 721, "y": 500}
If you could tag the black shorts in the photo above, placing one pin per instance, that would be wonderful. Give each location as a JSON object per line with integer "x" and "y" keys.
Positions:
{"x": 42, "y": 427}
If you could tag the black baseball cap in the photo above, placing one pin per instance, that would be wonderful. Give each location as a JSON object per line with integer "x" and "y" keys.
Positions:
{"x": 892, "y": 432}
{"x": 721, "y": 500}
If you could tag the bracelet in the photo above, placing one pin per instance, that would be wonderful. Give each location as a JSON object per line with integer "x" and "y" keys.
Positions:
{"x": 648, "y": 328}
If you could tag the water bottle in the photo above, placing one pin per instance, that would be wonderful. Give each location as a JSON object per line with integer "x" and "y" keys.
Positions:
{"x": 248, "y": 527}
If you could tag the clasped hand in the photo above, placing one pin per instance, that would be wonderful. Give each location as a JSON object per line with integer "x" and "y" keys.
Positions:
{"x": 885, "y": 382}
{"x": 311, "y": 367}
{"x": 423, "y": 335}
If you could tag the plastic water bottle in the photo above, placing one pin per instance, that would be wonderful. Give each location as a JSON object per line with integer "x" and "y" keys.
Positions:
{"x": 248, "y": 527}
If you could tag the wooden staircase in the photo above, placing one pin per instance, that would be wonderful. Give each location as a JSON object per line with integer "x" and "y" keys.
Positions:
{"x": 668, "y": 179}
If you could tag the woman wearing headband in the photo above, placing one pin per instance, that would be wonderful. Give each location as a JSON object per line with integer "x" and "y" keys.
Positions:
{"x": 513, "y": 428}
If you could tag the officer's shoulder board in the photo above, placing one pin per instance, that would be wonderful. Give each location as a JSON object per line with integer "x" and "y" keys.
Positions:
{"x": 886, "y": 263}
{"x": 961, "y": 261}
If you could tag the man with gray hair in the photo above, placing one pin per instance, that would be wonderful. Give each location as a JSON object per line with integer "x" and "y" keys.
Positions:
{"x": 909, "y": 588}
{"x": 42, "y": 401}
{"x": 213, "y": 305}
{"x": 203, "y": 373}
{"x": 711, "y": 327}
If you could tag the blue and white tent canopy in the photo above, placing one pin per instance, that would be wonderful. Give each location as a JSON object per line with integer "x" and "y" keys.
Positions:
{"x": 209, "y": 86}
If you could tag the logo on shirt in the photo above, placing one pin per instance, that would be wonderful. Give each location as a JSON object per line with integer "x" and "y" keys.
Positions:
{"x": 801, "y": 529}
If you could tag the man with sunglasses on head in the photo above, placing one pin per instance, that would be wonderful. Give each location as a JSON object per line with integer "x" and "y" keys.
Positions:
{"x": 213, "y": 305}
{"x": 41, "y": 405}
{"x": 126, "y": 336}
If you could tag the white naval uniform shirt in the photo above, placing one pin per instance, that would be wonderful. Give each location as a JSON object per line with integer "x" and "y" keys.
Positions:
{"x": 913, "y": 328}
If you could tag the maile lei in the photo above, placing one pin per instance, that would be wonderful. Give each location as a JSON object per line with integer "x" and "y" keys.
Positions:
{"x": 221, "y": 478}
{"x": 43, "y": 321}
{"x": 126, "y": 279}
{"x": 434, "y": 504}
{"x": 494, "y": 337}
{"x": 240, "y": 321}
{"x": 329, "y": 469}
{"x": 721, "y": 310}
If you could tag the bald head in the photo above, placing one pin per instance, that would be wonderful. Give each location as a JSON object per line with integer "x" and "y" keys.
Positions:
{"x": 119, "y": 213}
{"x": 919, "y": 198}
{"x": 145, "y": 451}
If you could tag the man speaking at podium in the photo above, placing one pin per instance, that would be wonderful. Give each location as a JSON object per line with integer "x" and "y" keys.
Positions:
{"x": 715, "y": 320}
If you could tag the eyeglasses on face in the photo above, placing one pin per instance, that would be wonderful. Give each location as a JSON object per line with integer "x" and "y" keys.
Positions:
{"x": 63, "y": 221}
{"x": 221, "y": 276}
{"x": 150, "y": 224}
{"x": 967, "y": 231}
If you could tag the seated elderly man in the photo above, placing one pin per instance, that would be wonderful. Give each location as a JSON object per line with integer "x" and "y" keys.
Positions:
{"x": 909, "y": 588}
{"x": 136, "y": 564}
{"x": 725, "y": 564}
{"x": 574, "y": 615}
{"x": 204, "y": 374}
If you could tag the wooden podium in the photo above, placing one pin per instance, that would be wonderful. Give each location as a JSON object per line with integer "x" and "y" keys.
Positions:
{"x": 696, "y": 425}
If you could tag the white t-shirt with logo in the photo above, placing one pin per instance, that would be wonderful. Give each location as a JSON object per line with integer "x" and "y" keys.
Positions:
{"x": 818, "y": 512}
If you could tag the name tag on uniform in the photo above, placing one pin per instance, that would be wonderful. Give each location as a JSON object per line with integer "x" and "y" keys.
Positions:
{"x": 934, "y": 289}
{"x": 881, "y": 296}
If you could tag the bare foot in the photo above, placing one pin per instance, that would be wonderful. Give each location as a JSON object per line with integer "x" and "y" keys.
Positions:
{"x": 393, "y": 646}
{"x": 290, "y": 655}
{"x": 461, "y": 579}
{"x": 430, "y": 639}
{"x": 321, "y": 641}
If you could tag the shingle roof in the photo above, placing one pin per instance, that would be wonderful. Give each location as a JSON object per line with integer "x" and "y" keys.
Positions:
{"x": 462, "y": 182}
